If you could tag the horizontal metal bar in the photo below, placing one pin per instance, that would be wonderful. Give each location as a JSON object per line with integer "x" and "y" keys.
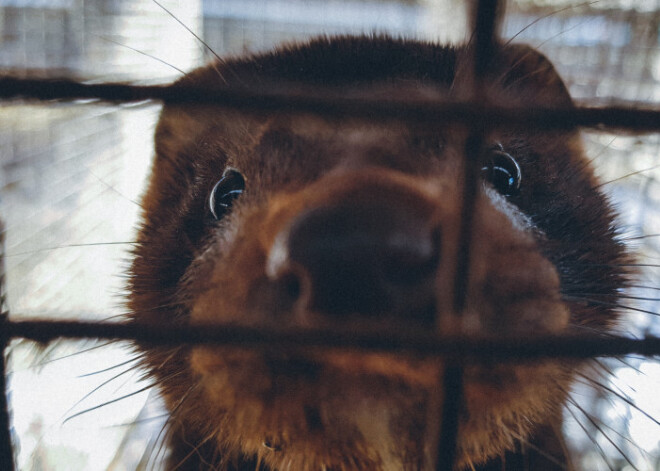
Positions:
{"x": 428, "y": 112}
{"x": 420, "y": 342}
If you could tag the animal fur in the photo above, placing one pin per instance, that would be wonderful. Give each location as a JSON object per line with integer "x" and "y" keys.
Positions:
{"x": 308, "y": 176}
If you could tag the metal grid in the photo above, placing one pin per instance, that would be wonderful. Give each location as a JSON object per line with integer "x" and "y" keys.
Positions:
{"x": 456, "y": 350}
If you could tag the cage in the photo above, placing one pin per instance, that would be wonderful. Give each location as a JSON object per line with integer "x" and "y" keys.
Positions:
{"x": 75, "y": 158}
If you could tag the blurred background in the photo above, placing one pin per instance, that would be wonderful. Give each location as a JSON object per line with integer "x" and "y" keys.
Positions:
{"x": 71, "y": 175}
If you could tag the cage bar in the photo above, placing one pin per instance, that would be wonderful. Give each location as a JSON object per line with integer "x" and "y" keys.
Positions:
{"x": 430, "y": 113}
{"x": 6, "y": 449}
{"x": 456, "y": 349}
{"x": 500, "y": 348}
{"x": 485, "y": 25}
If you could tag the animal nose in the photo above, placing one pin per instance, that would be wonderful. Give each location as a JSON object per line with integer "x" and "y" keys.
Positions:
{"x": 368, "y": 258}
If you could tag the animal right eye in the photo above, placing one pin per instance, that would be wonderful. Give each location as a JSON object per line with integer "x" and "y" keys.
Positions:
{"x": 224, "y": 192}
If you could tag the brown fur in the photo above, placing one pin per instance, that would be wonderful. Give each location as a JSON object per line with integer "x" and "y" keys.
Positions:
{"x": 234, "y": 408}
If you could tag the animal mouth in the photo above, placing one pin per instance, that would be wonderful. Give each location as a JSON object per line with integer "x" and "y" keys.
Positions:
{"x": 291, "y": 365}
{"x": 311, "y": 367}
{"x": 329, "y": 372}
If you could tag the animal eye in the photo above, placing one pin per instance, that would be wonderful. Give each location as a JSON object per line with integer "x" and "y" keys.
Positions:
{"x": 223, "y": 194}
{"x": 502, "y": 171}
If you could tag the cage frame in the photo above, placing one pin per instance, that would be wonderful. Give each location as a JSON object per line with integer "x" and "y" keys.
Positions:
{"x": 476, "y": 114}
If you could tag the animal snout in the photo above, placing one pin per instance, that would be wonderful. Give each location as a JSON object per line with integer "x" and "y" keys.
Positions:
{"x": 367, "y": 253}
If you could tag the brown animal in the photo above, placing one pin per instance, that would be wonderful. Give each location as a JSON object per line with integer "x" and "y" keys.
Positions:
{"x": 295, "y": 220}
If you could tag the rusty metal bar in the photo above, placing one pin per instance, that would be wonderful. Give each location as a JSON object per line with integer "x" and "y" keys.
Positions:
{"x": 6, "y": 449}
{"x": 424, "y": 112}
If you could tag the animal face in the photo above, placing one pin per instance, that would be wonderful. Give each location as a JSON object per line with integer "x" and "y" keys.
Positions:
{"x": 290, "y": 220}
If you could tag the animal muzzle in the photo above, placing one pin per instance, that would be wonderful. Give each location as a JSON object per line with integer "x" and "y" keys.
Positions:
{"x": 366, "y": 258}
{"x": 364, "y": 245}
{"x": 380, "y": 247}
{"x": 377, "y": 248}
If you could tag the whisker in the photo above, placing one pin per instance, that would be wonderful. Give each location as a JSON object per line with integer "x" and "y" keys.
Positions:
{"x": 153, "y": 308}
{"x": 68, "y": 246}
{"x": 625, "y": 399}
{"x": 114, "y": 316}
{"x": 112, "y": 401}
{"x": 591, "y": 437}
{"x": 154, "y": 454}
{"x": 66, "y": 190}
{"x": 170, "y": 356}
{"x": 514, "y": 83}
{"x": 108, "y": 381}
{"x": 604, "y": 303}
{"x": 596, "y": 384}
{"x": 113, "y": 189}
{"x": 626, "y": 176}
{"x": 564, "y": 31}
{"x": 150, "y": 457}
{"x": 108, "y": 369}
{"x": 204, "y": 43}
{"x": 171, "y": 416}
{"x": 655, "y": 288}
{"x": 138, "y": 421}
{"x": 600, "y": 153}
{"x": 609, "y": 372}
{"x": 645, "y": 236}
{"x": 143, "y": 53}
{"x": 69, "y": 355}
{"x": 592, "y": 330}
{"x": 598, "y": 425}
{"x": 621, "y": 296}
{"x": 537, "y": 449}
{"x": 195, "y": 450}
{"x": 547, "y": 15}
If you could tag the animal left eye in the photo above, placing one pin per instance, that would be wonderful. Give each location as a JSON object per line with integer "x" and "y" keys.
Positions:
{"x": 224, "y": 192}
{"x": 502, "y": 171}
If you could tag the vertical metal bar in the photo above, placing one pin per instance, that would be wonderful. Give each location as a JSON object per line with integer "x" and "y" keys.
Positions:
{"x": 471, "y": 168}
{"x": 485, "y": 22}
{"x": 452, "y": 389}
{"x": 6, "y": 450}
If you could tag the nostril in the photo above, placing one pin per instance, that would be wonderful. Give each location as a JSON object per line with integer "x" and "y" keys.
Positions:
{"x": 291, "y": 285}
{"x": 359, "y": 259}
{"x": 412, "y": 260}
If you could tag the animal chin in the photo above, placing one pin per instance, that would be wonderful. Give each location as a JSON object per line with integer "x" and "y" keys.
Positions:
{"x": 373, "y": 407}
{"x": 268, "y": 374}
{"x": 282, "y": 385}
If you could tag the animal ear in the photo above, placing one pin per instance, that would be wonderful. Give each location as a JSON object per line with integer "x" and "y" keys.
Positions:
{"x": 522, "y": 70}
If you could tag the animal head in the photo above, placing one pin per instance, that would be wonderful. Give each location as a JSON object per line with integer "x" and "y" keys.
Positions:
{"x": 296, "y": 220}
